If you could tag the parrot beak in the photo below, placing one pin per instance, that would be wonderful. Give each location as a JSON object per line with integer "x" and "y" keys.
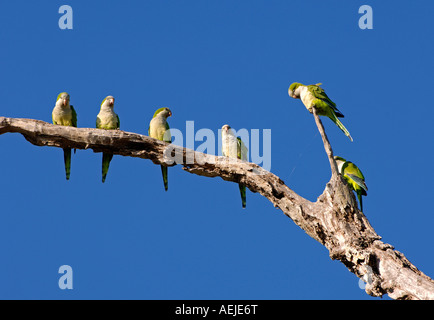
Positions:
{"x": 170, "y": 113}
{"x": 64, "y": 102}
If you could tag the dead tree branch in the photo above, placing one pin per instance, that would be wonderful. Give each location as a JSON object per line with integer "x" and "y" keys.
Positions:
{"x": 333, "y": 220}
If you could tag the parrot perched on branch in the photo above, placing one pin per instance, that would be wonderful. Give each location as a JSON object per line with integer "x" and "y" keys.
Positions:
{"x": 234, "y": 147}
{"x": 354, "y": 177}
{"x": 315, "y": 96}
{"x": 64, "y": 114}
{"x": 109, "y": 120}
{"x": 159, "y": 129}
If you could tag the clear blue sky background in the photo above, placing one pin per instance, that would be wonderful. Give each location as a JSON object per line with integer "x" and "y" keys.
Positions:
{"x": 213, "y": 62}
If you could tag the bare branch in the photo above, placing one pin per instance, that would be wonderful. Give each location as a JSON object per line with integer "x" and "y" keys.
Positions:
{"x": 327, "y": 145}
{"x": 333, "y": 220}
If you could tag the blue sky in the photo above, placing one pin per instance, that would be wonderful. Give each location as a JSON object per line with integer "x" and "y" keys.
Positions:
{"x": 211, "y": 62}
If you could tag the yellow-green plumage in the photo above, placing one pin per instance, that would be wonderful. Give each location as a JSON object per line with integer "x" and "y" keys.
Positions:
{"x": 234, "y": 147}
{"x": 64, "y": 114}
{"x": 106, "y": 158}
{"x": 354, "y": 177}
{"x": 313, "y": 96}
{"x": 159, "y": 129}
{"x": 109, "y": 120}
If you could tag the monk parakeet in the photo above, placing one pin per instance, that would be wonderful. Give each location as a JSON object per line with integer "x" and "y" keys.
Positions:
{"x": 159, "y": 129}
{"x": 315, "y": 96}
{"x": 65, "y": 115}
{"x": 107, "y": 119}
{"x": 354, "y": 177}
{"x": 234, "y": 147}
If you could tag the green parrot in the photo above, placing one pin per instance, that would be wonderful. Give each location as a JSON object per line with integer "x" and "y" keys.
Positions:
{"x": 315, "y": 96}
{"x": 159, "y": 129}
{"x": 107, "y": 119}
{"x": 65, "y": 115}
{"x": 234, "y": 147}
{"x": 354, "y": 177}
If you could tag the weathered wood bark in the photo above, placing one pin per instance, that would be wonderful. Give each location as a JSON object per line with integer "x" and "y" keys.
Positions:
{"x": 333, "y": 220}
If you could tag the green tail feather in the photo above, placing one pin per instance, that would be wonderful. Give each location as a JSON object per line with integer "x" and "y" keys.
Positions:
{"x": 359, "y": 195}
{"x": 335, "y": 119}
{"x": 243, "y": 194}
{"x": 67, "y": 160}
{"x": 165, "y": 180}
{"x": 106, "y": 158}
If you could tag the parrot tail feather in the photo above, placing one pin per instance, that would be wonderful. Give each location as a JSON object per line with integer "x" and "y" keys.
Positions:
{"x": 67, "y": 160}
{"x": 359, "y": 195}
{"x": 106, "y": 158}
{"x": 243, "y": 194}
{"x": 165, "y": 180}
{"x": 335, "y": 119}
